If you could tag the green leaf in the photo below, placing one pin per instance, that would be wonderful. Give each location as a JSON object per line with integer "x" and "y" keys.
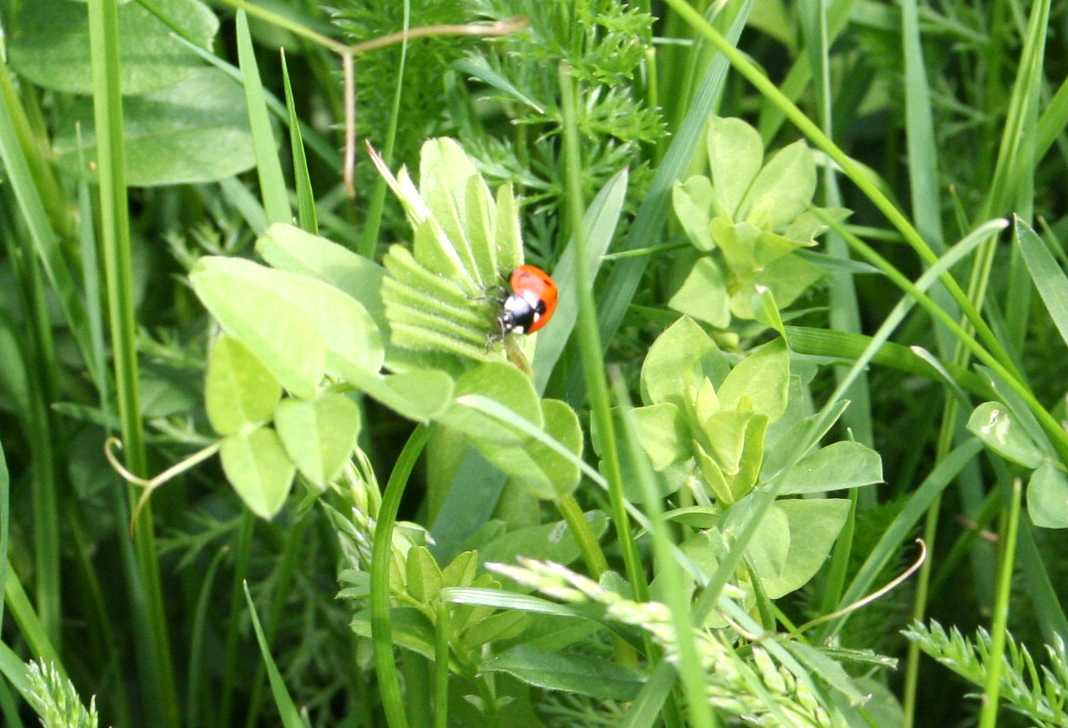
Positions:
{"x": 289, "y": 248}
{"x": 548, "y": 541}
{"x": 283, "y": 338}
{"x": 1049, "y": 278}
{"x": 423, "y": 575}
{"x": 409, "y": 628}
{"x": 814, "y": 526}
{"x": 770, "y": 547}
{"x": 692, "y": 201}
{"x": 703, "y": 294}
{"x": 504, "y": 384}
{"x": 1047, "y": 497}
{"x": 992, "y": 423}
{"x": 663, "y": 434}
{"x": 461, "y": 570}
{"x": 444, "y": 172}
{"x": 562, "y": 475}
{"x": 735, "y": 153}
{"x": 570, "y": 673}
{"x": 760, "y": 382}
{"x": 837, "y": 466}
{"x": 239, "y": 390}
{"x": 318, "y": 435}
{"x": 782, "y": 190}
{"x": 679, "y": 360}
{"x": 258, "y": 468}
{"x": 191, "y": 132}
{"x": 50, "y": 45}
{"x": 420, "y": 395}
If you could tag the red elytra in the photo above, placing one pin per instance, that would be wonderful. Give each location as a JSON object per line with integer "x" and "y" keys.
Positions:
{"x": 531, "y": 303}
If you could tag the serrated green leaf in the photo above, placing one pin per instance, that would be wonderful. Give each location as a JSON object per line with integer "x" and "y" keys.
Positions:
{"x": 257, "y": 466}
{"x": 318, "y": 435}
{"x": 239, "y": 390}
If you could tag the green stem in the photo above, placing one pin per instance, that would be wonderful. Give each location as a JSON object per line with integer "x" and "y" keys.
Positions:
{"x": 115, "y": 228}
{"x": 441, "y": 667}
{"x": 580, "y": 528}
{"x": 381, "y": 628}
{"x": 589, "y": 339}
{"x": 989, "y": 716}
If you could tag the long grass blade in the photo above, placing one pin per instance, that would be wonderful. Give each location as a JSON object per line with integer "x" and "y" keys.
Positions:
{"x": 146, "y": 596}
{"x": 287, "y": 710}
{"x": 306, "y": 214}
{"x": 268, "y": 167}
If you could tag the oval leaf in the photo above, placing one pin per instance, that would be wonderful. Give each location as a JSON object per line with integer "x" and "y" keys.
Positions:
{"x": 51, "y": 44}
{"x": 1047, "y": 497}
{"x": 245, "y": 304}
{"x": 257, "y": 466}
{"x": 318, "y": 435}
{"x": 837, "y": 466}
{"x": 992, "y": 423}
{"x": 239, "y": 390}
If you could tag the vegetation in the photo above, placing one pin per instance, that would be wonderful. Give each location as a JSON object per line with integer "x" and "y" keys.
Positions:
{"x": 267, "y": 456}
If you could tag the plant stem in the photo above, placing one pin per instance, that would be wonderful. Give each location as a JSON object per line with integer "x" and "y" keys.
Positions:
{"x": 580, "y": 528}
{"x": 989, "y": 716}
{"x": 382, "y": 553}
{"x": 441, "y": 667}
{"x": 589, "y": 339}
{"x": 156, "y": 666}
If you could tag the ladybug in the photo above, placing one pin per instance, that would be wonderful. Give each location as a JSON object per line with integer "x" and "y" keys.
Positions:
{"x": 531, "y": 303}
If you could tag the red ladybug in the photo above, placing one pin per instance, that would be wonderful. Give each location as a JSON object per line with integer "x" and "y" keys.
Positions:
{"x": 531, "y": 303}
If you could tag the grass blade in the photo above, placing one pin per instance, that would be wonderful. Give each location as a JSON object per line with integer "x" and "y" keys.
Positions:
{"x": 268, "y": 168}
{"x": 146, "y": 597}
{"x": 381, "y": 626}
{"x": 1047, "y": 275}
{"x": 306, "y": 214}
{"x": 286, "y": 709}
